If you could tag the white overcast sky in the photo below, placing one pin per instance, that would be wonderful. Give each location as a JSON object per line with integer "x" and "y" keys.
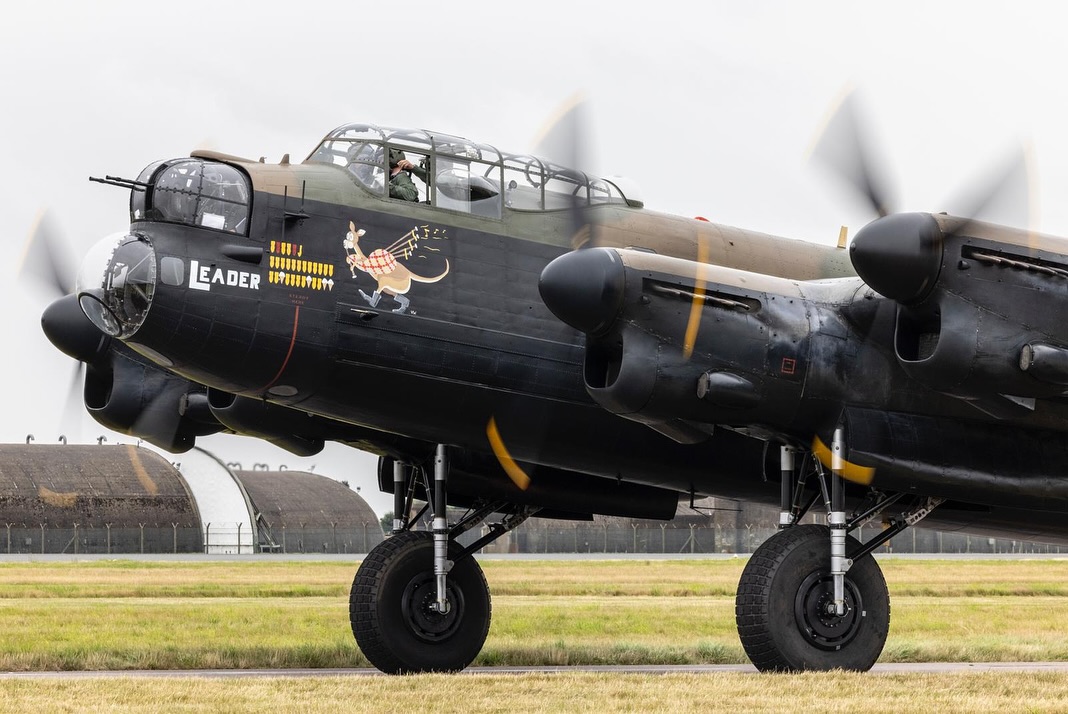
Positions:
{"x": 709, "y": 107}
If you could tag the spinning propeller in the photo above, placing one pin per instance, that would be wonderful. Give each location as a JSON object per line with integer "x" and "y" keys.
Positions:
{"x": 48, "y": 266}
{"x": 121, "y": 389}
{"x": 565, "y": 142}
{"x": 900, "y": 255}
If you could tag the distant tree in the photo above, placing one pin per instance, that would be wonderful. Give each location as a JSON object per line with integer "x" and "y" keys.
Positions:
{"x": 387, "y": 522}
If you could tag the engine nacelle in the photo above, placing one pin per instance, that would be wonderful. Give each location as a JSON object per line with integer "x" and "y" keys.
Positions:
{"x": 953, "y": 345}
{"x": 979, "y": 306}
{"x": 681, "y": 346}
{"x": 125, "y": 393}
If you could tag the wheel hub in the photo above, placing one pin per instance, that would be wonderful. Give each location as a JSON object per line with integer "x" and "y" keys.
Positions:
{"x": 815, "y": 616}
{"x": 419, "y": 606}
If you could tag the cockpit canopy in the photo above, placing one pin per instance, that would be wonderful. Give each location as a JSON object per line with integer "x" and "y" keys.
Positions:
{"x": 196, "y": 192}
{"x": 454, "y": 173}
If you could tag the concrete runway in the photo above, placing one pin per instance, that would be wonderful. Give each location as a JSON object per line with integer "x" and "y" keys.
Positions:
{"x": 890, "y": 668}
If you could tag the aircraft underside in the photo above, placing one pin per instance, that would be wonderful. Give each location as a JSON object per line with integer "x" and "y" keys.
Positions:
{"x": 811, "y": 597}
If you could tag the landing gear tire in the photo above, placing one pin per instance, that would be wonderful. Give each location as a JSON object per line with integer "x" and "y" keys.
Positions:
{"x": 391, "y": 615}
{"x": 782, "y": 606}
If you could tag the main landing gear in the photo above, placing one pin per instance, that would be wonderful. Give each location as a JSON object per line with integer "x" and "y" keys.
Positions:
{"x": 419, "y": 602}
{"x": 811, "y": 597}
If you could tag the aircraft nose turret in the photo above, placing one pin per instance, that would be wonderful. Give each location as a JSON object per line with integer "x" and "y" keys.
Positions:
{"x": 116, "y": 284}
{"x": 584, "y": 288}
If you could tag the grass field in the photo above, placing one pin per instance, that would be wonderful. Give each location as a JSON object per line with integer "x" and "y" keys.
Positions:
{"x": 557, "y": 692}
{"x": 165, "y": 615}
{"x": 143, "y": 615}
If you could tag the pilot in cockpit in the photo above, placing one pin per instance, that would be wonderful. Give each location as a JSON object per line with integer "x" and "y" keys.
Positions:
{"x": 400, "y": 179}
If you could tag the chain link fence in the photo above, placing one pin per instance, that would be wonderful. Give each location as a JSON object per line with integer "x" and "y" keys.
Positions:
{"x": 532, "y": 537}
{"x": 218, "y": 538}
{"x": 141, "y": 538}
{"x": 673, "y": 538}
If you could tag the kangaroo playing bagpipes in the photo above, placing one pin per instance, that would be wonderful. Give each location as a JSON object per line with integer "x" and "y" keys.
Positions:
{"x": 393, "y": 277}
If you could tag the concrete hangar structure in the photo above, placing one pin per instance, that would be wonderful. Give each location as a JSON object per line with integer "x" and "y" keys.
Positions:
{"x": 128, "y": 499}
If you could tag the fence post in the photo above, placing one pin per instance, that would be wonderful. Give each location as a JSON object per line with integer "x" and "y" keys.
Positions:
{"x": 142, "y": 527}
{"x": 239, "y": 524}
{"x": 207, "y": 536}
{"x": 284, "y": 538}
{"x": 8, "y": 538}
{"x": 108, "y": 527}
{"x": 174, "y": 527}
{"x": 76, "y": 539}
{"x": 42, "y": 539}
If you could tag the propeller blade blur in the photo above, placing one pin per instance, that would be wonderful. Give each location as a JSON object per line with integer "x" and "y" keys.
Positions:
{"x": 47, "y": 262}
{"x": 564, "y": 138}
{"x": 1004, "y": 195}
{"x": 845, "y": 147}
{"x": 73, "y": 406}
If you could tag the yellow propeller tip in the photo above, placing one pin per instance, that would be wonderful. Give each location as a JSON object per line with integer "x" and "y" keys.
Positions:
{"x": 515, "y": 472}
{"x": 856, "y": 473}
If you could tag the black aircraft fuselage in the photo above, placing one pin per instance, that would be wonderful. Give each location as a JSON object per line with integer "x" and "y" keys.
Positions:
{"x": 314, "y": 306}
{"x": 546, "y": 345}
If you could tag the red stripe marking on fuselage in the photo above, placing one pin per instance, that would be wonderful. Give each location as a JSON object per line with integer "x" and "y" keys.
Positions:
{"x": 292, "y": 342}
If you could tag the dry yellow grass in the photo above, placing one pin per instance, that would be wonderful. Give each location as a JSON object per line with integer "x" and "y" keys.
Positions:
{"x": 556, "y": 692}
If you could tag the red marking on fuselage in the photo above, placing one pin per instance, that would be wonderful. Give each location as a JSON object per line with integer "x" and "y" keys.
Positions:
{"x": 292, "y": 342}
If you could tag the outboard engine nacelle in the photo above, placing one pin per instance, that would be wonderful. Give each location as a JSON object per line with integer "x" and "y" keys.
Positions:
{"x": 978, "y": 304}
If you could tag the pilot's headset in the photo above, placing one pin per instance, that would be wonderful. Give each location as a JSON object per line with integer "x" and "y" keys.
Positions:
{"x": 395, "y": 157}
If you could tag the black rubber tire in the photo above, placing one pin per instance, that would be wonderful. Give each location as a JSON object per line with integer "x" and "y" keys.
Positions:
{"x": 390, "y": 615}
{"x": 778, "y": 607}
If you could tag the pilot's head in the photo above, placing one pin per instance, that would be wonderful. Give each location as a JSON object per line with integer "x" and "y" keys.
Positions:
{"x": 395, "y": 157}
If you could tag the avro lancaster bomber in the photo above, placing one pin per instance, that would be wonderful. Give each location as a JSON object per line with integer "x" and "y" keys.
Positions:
{"x": 521, "y": 339}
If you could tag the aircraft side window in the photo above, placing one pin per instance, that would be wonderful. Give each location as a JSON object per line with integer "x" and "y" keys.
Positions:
{"x": 565, "y": 188}
{"x": 468, "y": 186}
{"x": 409, "y": 175}
{"x": 523, "y": 180}
{"x": 139, "y": 194}
{"x": 201, "y": 193}
{"x": 603, "y": 192}
{"x": 223, "y": 201}
{"x": 366, "y": 161}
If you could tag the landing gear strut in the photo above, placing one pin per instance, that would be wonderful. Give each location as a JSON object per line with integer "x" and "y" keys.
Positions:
{"x": 419, "y": 601}
{"x": 810, "y": 597}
